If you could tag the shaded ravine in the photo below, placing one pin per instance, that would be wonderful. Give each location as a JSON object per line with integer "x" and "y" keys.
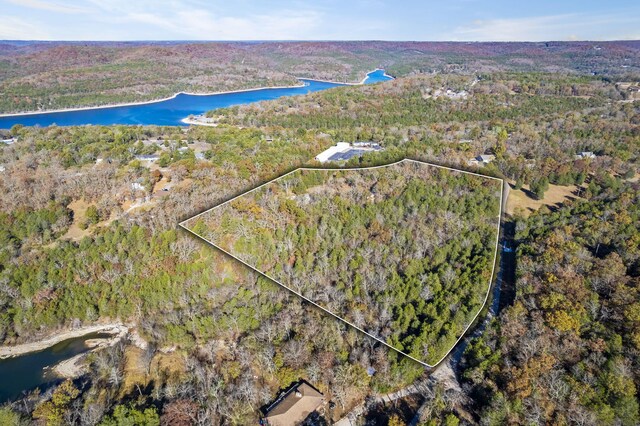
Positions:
{"x": 501, "y": 295}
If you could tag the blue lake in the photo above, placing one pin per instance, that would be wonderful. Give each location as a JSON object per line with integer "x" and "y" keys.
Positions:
{"x": 170, "y": 112}
{"x": 29, "y": 371}
{"x": 377, "y": 76}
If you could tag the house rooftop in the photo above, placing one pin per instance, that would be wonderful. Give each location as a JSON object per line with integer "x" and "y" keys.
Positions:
{"x": 481, "y": 159}
{"x": 486, "y": 158}
{"x": 347, "y": 155}
{"x": 295, "y": 405}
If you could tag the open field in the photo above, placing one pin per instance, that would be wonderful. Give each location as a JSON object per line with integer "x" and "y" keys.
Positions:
{"x": 522, "y": 201}
{"x": 75, "y": 232}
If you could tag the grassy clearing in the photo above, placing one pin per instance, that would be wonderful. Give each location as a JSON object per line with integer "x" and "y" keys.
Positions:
{"x": 522, "y": 201}
{"x": 75, "y": 232}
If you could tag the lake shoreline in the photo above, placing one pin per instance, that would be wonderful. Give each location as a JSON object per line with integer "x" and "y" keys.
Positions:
{"x": 76, "y": 366}
{"x": 70, "y": 368}
{"x": 195, "y": 122}
{"x": 168, "y": 98}
{"x": 154, "y": 101}
{"x": 118, "y": 329}
{"x": 360, "y": 83}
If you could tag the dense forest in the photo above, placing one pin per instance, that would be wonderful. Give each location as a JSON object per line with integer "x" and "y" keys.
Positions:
{"x": 568, "y": 350}
{"x": 222, "y": 342}
{"x": 404, "y": 252}
{"x": 45, "y": 76}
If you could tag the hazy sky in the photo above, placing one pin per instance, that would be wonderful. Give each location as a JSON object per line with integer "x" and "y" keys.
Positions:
{"x": 500, "y": 20}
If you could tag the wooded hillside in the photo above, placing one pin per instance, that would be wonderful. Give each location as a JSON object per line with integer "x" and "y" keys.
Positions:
{"x": 223, "y": 342}
{"x": 53, "y": 75}
{"x": 404, "y": 252}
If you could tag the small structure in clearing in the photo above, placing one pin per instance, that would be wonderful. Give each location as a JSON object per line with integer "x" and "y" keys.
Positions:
{"x": 481, "y": 160}
{"x": 149, "y": 158}
{"x": 585, "y": 155}
{"x": 294, "y": 405}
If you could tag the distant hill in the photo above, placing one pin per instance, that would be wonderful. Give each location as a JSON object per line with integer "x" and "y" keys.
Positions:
{"x": 51, "y": 75}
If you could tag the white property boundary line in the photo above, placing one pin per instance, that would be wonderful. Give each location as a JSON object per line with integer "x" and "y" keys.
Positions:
{"x": 495, "y": 256}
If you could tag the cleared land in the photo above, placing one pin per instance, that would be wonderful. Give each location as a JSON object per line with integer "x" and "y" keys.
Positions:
{"x": 521, "y": 202}
{"x": 75, "y": 232}
{"x": 403, "y": 252}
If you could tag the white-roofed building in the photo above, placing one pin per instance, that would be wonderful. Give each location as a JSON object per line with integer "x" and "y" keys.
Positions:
{"x": 343, "y": 151}
{"x": 585, "y": 155}
{"x": 324, "y": 156}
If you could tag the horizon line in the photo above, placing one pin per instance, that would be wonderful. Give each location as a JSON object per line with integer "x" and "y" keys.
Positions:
{"x": 310, "y": 41}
